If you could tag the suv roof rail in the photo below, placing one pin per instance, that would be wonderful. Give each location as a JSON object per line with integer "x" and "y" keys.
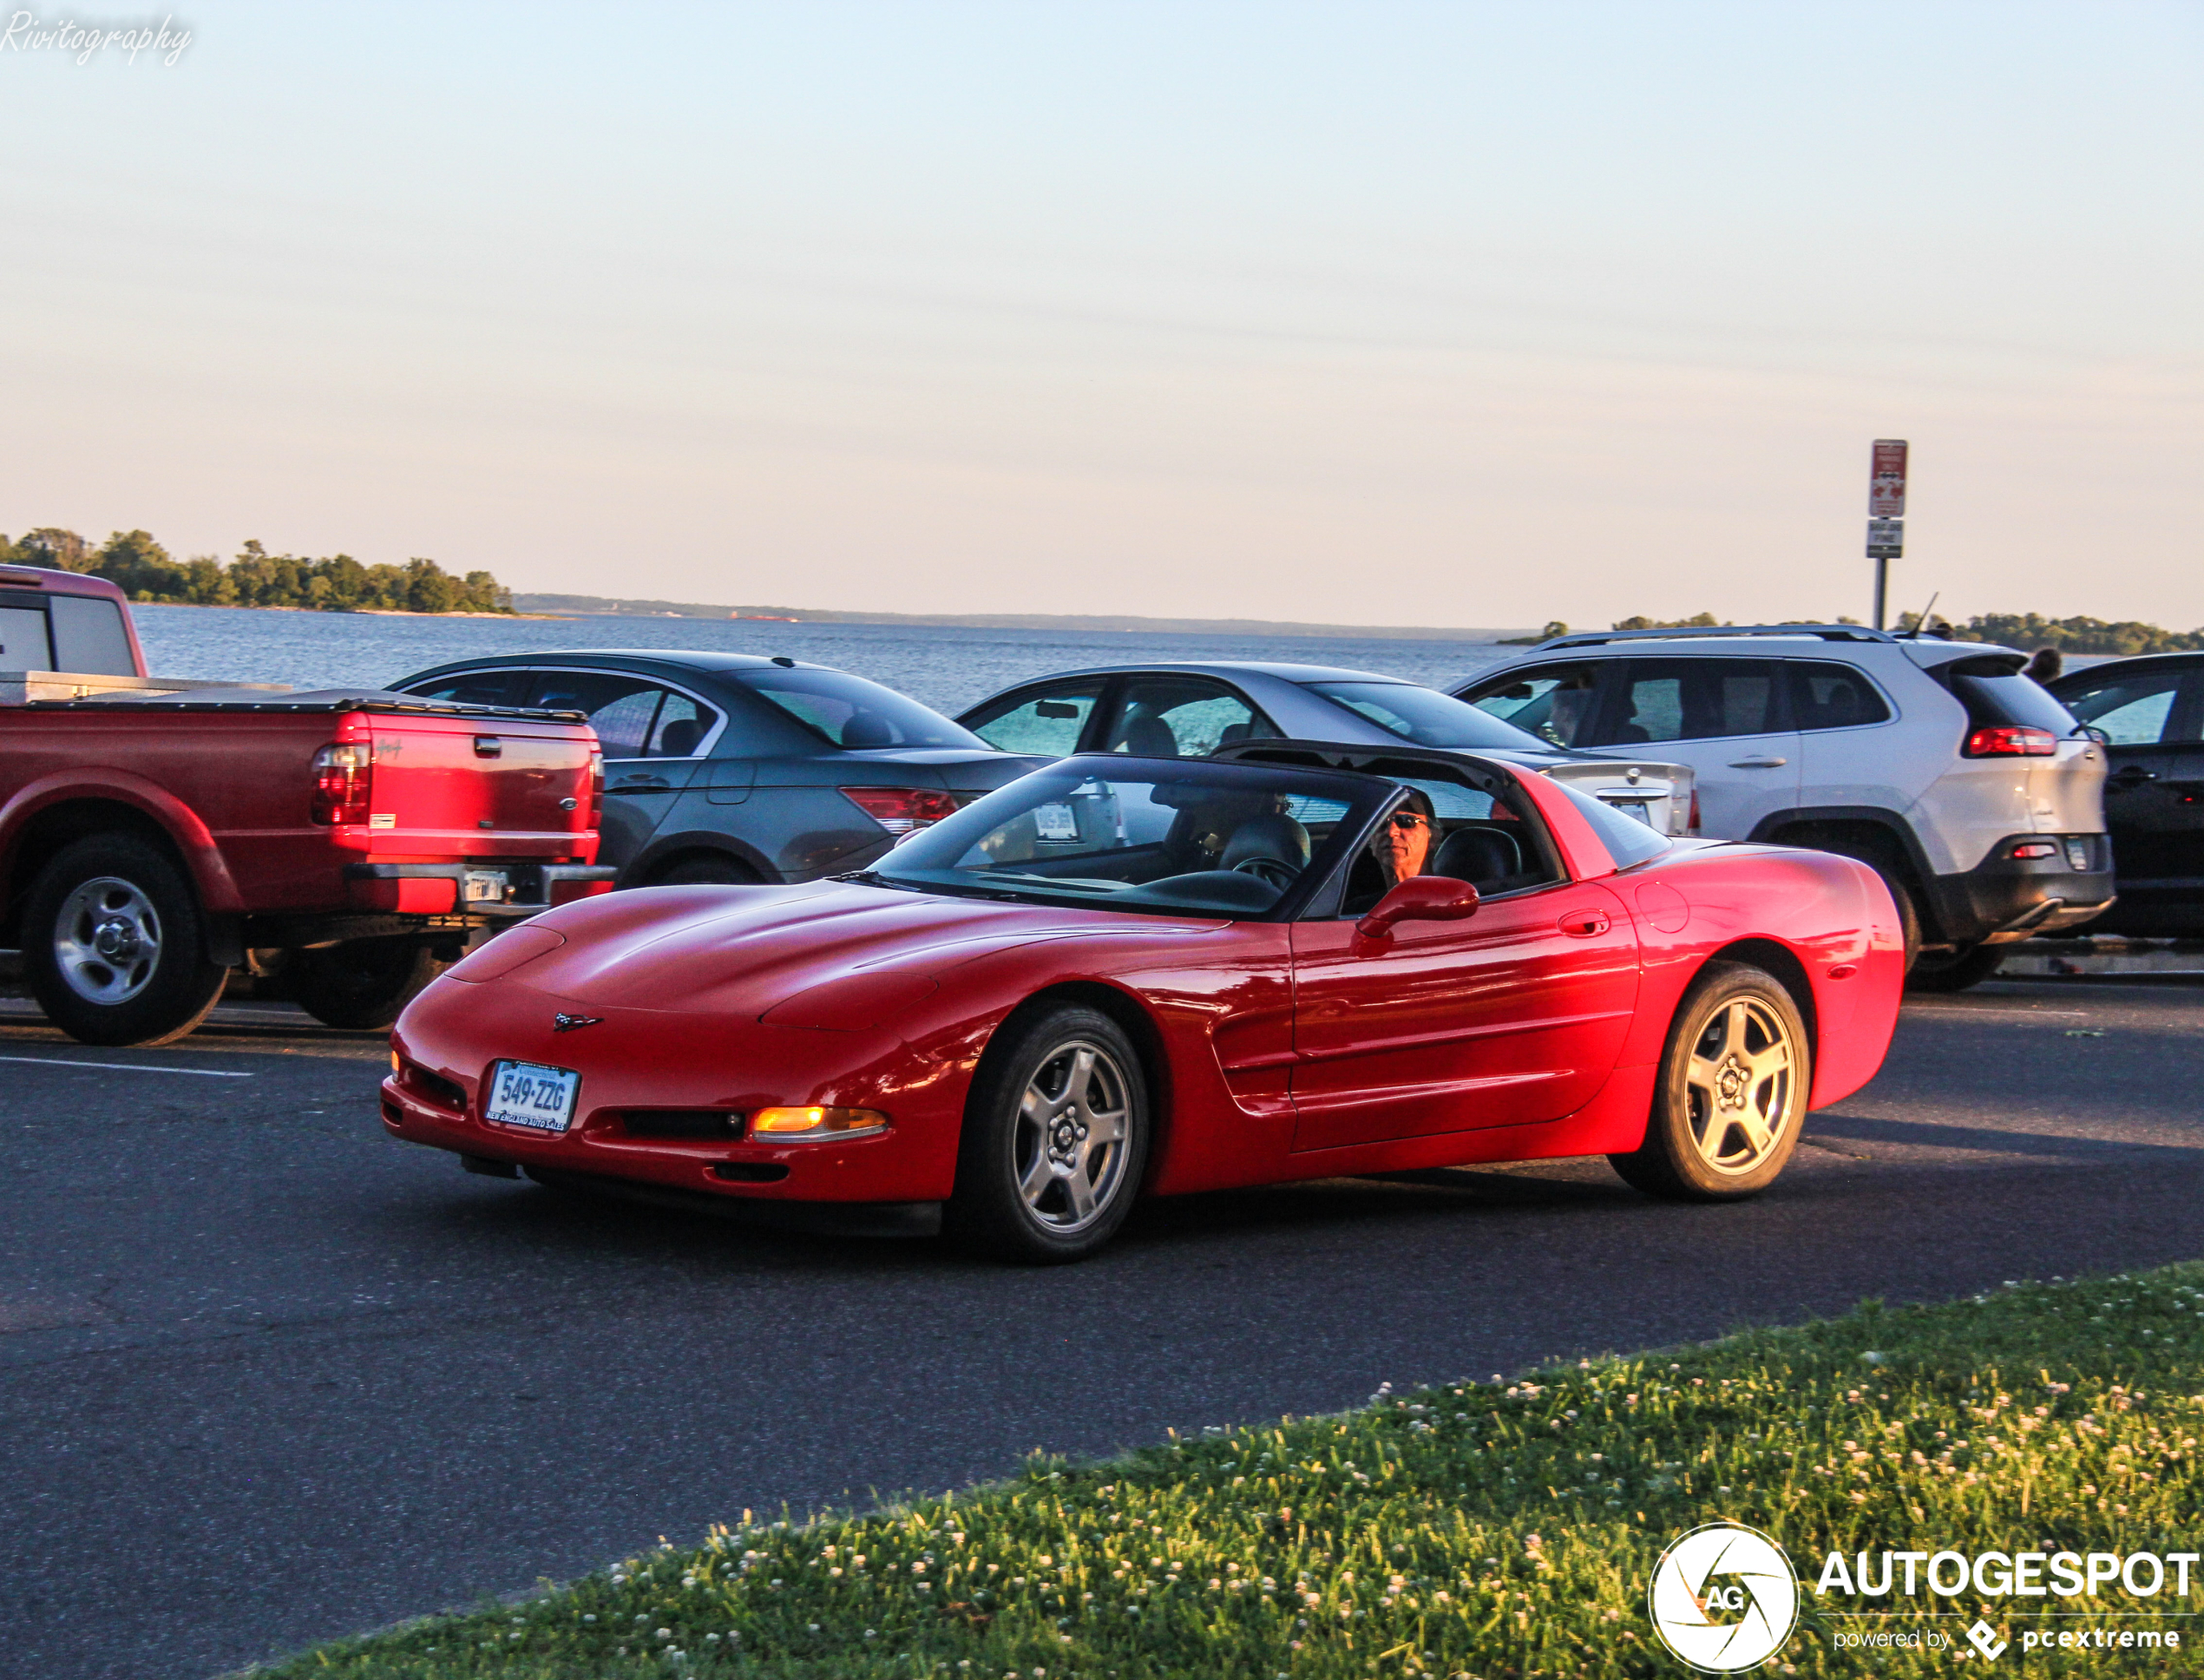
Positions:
{"x": 1698, "y": 632}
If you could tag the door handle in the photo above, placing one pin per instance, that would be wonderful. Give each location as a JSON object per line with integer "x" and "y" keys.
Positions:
{"x": 2130, "y": 774}
{"x": 1758, "y": 763}
{"x": 639, "y": 784}
{"x": 1584, "y": 924}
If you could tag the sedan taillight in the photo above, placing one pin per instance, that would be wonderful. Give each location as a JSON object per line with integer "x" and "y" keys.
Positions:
{"x": 902, "y": 810}
{"x": 2010, "y": 741}
{"x": 344, "y": 782}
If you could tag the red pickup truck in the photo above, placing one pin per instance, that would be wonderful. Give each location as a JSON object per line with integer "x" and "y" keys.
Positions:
{"x": 159, "y": 838}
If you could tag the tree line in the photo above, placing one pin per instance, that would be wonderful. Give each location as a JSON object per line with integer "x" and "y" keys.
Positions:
{"x": 2122, "y": 638}
{"x": 145, "y": 571}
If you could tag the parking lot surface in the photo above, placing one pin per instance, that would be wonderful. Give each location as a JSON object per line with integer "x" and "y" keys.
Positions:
{"x": 267, "y": 1377}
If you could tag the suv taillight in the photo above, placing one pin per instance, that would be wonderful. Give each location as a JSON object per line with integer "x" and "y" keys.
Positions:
{"x": 2010, "y": 741}
{"x": 900, "y": 811}
{"x": 344, "y": 782}
{"x": 596, "y": 788}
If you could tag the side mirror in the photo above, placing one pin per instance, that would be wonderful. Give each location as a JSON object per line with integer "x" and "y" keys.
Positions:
{"x": 1419, "y": 898}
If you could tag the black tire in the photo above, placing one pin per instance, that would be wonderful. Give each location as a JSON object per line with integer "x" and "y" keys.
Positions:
{"x": 1954, "y": 970}
{"x": 1731, "y": 1100}
{"x": 1019, "y": 1194}
{"x": 707, "y": 869}
{"x": 115, "y": 943}
{"x": 364, "y": 984}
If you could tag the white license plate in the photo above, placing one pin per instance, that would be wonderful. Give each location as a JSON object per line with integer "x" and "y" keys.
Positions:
{"x": 485, "y": 886}
{"x": 527, "y": 1093}
{"x": 1637, "y": 807}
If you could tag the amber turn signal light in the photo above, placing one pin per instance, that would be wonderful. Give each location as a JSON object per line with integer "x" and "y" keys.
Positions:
{"x": 816, "y": 1122}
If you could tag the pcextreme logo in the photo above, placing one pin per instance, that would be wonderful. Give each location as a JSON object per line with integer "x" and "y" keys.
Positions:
{"x": 1723, "y": 1597}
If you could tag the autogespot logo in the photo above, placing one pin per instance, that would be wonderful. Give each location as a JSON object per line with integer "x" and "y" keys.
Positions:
{"x": 1723, "y": 1598}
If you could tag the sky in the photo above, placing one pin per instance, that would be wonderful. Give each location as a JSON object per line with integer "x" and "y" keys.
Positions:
{"x": 1473, "y": 314}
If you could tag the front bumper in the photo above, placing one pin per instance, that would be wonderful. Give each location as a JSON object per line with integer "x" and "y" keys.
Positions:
{"x": 2006, "y": 898}
{"x": 441, "y": 888}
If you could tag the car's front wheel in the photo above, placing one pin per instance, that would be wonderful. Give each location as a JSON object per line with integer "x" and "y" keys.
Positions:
{"x": 1731, "y": 1099}
{"x": 1055, "y": 1140}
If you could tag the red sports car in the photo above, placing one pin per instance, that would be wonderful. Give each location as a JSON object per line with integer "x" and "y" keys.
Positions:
{"x": 1120, "y": 976}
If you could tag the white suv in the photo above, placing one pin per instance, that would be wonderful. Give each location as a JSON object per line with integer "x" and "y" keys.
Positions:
{"x": 1972, "y": 790}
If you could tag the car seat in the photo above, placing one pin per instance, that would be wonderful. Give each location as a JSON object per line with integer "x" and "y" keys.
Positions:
{"x": 1147, "y": 735}
{"x": 679, "y": 738}
{"x": 1272, "y": 835}
{"x": 1484, "y": 857}
{"x": 864, "y": 729}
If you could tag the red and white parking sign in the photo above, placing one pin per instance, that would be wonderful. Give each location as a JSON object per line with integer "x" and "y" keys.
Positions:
{"x": 1887, "y": 480}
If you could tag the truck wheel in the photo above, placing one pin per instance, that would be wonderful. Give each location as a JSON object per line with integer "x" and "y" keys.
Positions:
{"x": 115, "y": 946}
{"x": 1954, "y": 970}
{"x": 363, "y": 983}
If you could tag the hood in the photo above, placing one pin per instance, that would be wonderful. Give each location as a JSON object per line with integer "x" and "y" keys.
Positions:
{"x": 742, "y": 951}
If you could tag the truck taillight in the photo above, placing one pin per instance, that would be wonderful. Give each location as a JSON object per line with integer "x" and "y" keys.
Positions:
{"x": 902, "y": 810}
{"x": 1692, "y": 827}
{"x": 344, "y": 782}
{"x": 596, "y": 788}
{"x": 2010, "y": 741}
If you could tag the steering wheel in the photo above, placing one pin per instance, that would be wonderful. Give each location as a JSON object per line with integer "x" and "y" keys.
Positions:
{"x": 1274, "y": 870}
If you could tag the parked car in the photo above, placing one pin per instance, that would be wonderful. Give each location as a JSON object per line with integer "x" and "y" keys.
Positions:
{"x": 732, "y": 769}
{"x": 157, "y": 836}
{"x": 1124, "y": 974}
{"x": 1967, "y": 787}
{"x": 1188, "y": 710}
{"x": 2149, "y": 713}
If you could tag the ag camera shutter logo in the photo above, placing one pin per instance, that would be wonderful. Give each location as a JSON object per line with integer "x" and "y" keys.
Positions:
{"x": 1723, "y": 1597}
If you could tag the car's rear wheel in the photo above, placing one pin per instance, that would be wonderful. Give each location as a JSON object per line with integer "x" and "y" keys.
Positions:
{"x": 1055, "y": 1140}
{"x": 114, "y": 945}
{"x": 1954, "y": 970}
{"x": 1731, "y": 1099}
{"x": 363, "y": 984}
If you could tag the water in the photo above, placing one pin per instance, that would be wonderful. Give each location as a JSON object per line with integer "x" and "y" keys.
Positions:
{"x": 946, "y": 668}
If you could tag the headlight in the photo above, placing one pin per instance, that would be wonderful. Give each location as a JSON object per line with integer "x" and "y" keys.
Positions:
{"x": 816, "y": 1122}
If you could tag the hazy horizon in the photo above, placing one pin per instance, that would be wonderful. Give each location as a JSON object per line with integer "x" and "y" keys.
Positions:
{"x": 1468, "y": 315}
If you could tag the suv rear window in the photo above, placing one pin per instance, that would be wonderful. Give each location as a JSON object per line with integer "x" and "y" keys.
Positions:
{"x": 1826, "y": 695}
{"x": 1993, "y": 692}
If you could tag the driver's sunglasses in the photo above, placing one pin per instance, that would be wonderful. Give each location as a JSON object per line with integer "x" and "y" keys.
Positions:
{"x": 1409, "y": 819}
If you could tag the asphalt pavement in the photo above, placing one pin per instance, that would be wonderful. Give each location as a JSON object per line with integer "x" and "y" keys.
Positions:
{"x": 267, "y": 1377}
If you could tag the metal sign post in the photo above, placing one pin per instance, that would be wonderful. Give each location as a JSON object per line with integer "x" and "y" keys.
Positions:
{"x": 1886, "y": 515}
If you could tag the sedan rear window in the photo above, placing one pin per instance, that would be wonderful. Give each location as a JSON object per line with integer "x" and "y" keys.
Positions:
{"x": 854, "y": 713}
{"x": 1424, "y": 716}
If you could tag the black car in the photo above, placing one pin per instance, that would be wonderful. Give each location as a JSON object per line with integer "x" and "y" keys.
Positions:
{"x": 2150, "y": 711}
{"x": 730, "y": 768}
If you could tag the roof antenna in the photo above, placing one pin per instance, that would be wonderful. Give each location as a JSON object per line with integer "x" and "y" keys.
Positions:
{"x": 1921, "y": 623}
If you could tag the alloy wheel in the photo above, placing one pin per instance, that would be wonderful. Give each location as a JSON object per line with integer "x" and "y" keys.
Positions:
{"x": 1741, "y": 1085}
{"x": 107, "y": 940}
{"x": 1070, "y": 1146}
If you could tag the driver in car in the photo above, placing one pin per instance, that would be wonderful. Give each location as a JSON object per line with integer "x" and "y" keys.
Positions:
{"x": 1403, "y": 844}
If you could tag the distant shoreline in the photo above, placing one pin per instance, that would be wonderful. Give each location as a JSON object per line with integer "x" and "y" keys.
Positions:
{"x": 604, "y": 606}
{"x": 340, "y": 612}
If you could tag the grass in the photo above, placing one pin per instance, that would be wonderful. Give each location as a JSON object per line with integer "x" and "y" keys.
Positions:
{"x": 1502, "y": 1530}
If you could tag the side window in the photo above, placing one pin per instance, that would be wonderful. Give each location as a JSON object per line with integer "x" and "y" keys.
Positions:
{"x": 1555, "y": 702}
{"x": 1696, "y": 700}
{"x": 2132, "y": 711}
{"x": 622, "y": 709}
{"x": 1826, "y": 695}
{"x": 1182, "y": 717}
{"x": 88, "y": 636}
{"x": 22, "y": 640}
{"x": 1446, "y": 827}
{"x": 1047, "y": 724}
{"x": 682, "y": 725}
{"x": 469, "y": 688}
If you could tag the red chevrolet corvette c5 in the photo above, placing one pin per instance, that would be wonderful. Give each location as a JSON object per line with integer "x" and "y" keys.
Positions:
{"x": 1120, "y": 976}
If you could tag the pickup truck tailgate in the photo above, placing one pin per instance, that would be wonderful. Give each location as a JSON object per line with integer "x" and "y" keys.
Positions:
{"x": 481, "y": 786}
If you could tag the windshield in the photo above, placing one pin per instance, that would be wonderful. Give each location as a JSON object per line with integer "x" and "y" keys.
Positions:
{"x": 1424, "y": 716}
{"x": 1178, "y": 839}
{"x": 852, "y": 713}
{"x": 1628, "y": 841}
